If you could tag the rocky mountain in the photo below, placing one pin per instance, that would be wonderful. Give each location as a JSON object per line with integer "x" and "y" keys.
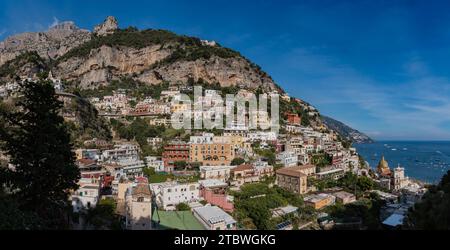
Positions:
{"x": 28, "y": 64}
{"x": 88, "y": 60}
{"x": 108, "y": 27}
{"x": 51, "y": 44}
{"x": 345, "y": 131}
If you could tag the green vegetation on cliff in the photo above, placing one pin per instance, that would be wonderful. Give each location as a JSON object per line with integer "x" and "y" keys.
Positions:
{"x": 184, "y": 47}
{"x": 132, "y": 87}
{"x": 88, "y": 124}
{"x": 295, "y": 108}
{"x": 10, "y": 68}
{"x": 322, "y": 160}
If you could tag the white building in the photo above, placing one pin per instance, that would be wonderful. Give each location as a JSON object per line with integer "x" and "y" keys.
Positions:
{"x": 203, "y": 139}
{"x": 148, "y": 100}
{"x": 131, "y": 167}
{"x": 86, "y": 196}
{"x": 262, "y": 136}
{"x": 121, "y": 152}
{"x": 216, "y": 172}
{"x": 334, "y": 174}
{"x": 115, "y": 102}
{"x": 293, "y": 129}
{"x": 92, "y": 154}
{"x": 296, "y": 144}
{"x": 212, "y": 183}
{"x": 288, "y": 158}
{"x": 170, "y": 194}
{"x": 211, "y": 92}
{"x": 236, "y": 128}
{"x": 399, "y": 179}
{"x": 214, "y": 218}
{"x": 208, "y": 43}
{"x": 155, "y": 162}
{"x": 310, "y": 148}
{"x": 166, "y": 95}
{"x": 262, "y": 168}
{"x": 155, "y": 142}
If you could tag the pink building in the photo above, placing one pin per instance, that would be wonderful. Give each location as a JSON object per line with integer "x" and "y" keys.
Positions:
{"x": 214, "y": 192}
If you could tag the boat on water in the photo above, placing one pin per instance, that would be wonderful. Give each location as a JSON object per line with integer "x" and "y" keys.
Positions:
{"x": 394, "y": 149}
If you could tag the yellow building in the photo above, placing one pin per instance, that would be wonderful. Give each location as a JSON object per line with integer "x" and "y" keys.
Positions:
{"x": 179, "y": 107}
{"x": 309, "y": 170}
{"x": 292, "y": 179}
{"x": 236, "y": 140}
{"x": 319, "y": 201}
{"x": 220, "y": 152}
{"x": 79, "y": 154}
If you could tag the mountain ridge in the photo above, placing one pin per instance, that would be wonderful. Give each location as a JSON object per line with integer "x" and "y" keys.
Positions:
{"x": 150, "y": 56}
{"x": 89, "y": 60}
{"x": 347, "y": 132}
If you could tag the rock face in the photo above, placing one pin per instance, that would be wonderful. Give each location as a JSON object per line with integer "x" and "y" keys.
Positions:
{"x": 111, "y": 61}
{"x": 107, "y": 27}
{"x": 53, "y": 43}
{"x": 345, "y": 131}
{"x": 150, "y": 56}
{"x": 107, "y": 63}
{"x": 226, "y": 71}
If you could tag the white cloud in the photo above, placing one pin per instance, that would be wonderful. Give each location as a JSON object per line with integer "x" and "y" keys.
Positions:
{"x": 54, "y": 23}
{"x": 416, "y": 108}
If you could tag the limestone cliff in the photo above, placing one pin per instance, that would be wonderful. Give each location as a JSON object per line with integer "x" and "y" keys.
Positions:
{"x": 107, "y": 63}
{"x": 152, "y": 56}
{"x": 226, "y": 71}
{"x": 53, "y": 43}
{"x": 90, "y": 60}
{"x": 109, "y": 26}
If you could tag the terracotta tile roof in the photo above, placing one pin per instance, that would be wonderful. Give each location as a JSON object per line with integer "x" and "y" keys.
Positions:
{"x": 86, "y": 162}
{"x": 141, "y": 179}
{"x": 242, "y": 167}
{"x": 303, "y": 167}
{"x": 292, "y": 171}
{"x": 142, "y": 189}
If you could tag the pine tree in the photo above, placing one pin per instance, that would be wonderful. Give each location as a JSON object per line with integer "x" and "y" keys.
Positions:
{"x": 35, "y": 138}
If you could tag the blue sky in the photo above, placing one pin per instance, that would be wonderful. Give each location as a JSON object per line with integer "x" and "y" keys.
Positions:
{"x": 379, "y": 66}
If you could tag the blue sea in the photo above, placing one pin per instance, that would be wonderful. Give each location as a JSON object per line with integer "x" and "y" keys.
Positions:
{"x": 425, "y": 161}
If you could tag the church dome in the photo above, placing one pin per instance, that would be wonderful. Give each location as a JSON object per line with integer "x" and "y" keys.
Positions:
{"x": 383, "y": 167}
